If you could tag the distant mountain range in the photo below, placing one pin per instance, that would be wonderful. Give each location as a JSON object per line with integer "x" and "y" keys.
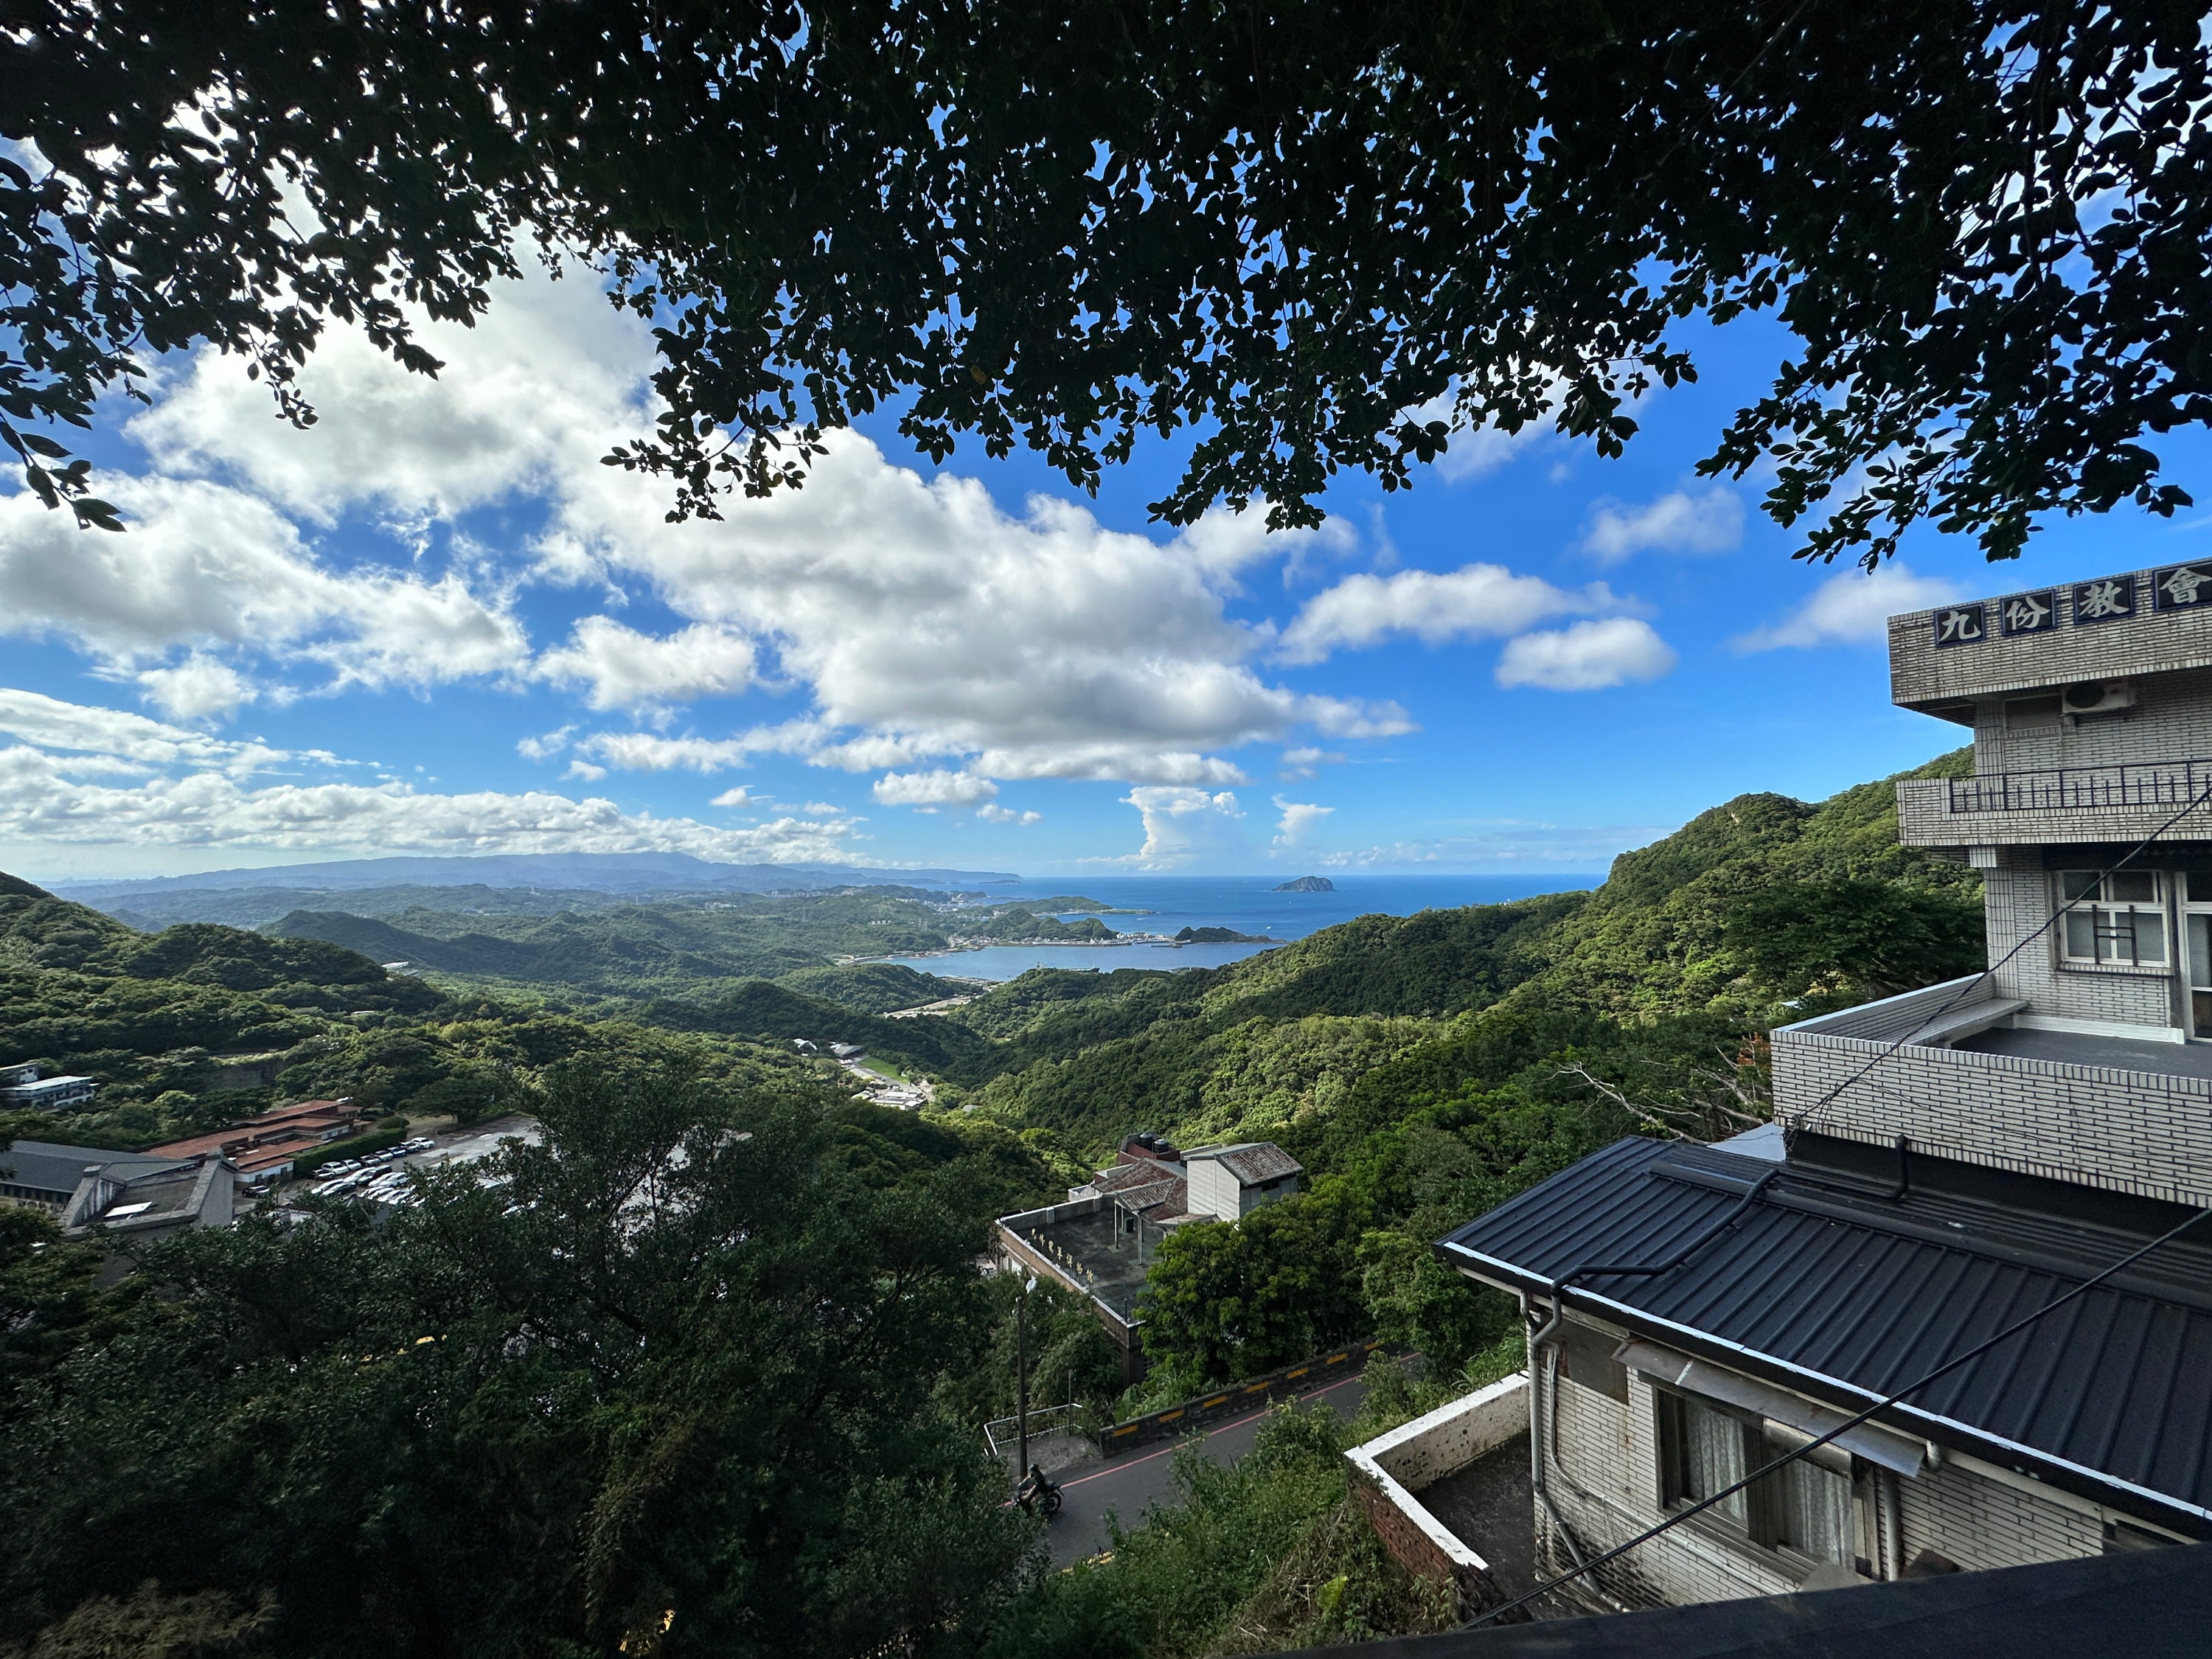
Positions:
{"x": 639, "y": 872}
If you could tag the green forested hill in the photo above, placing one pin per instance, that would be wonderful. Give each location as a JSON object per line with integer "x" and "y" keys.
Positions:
{"x": 1760, "y": 901}
{"x": 636, "y": 950}
{"x": 875, "y": 988}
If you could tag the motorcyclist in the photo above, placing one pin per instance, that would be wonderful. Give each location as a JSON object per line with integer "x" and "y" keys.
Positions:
{"x": 1036, "y": 1491}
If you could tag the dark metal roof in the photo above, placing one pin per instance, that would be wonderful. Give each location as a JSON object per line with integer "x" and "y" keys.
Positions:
{"x": 1820, "y": 1283}
{"x": 2152, "y": 1602}
{"x": 54, "y": 1168}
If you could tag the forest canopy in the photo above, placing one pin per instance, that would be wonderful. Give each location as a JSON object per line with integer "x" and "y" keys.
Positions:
{"x": 1316, "y": 236}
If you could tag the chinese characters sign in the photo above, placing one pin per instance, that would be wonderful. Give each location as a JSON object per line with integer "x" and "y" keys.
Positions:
{"x": 2108, "y": 598}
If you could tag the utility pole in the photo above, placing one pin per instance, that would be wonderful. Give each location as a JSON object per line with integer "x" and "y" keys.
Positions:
{"x": 1022, "y": 1374}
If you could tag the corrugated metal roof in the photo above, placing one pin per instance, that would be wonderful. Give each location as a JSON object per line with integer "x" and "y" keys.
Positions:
{"x": 1255, "y": 1163}
{"x": 1823, "y": 1286}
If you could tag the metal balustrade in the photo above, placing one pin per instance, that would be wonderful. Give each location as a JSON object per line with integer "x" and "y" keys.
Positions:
{"x": 2086, "y": 788}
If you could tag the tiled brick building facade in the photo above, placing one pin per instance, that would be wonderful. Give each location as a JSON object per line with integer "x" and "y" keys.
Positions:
{"x": 2027, "y": 1146}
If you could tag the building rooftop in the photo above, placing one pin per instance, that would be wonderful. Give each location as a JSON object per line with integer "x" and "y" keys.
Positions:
{"x": 2148, "y": 1602}
{"x": 1098, "y": 1249}
{"x": 57, "y": 1168}
{"x": 1255, "y": 1163}
{"x": 1829, "y": 1283}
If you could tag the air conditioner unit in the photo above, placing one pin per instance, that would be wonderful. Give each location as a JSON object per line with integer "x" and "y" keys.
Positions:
{"x": 2099, "y": 697}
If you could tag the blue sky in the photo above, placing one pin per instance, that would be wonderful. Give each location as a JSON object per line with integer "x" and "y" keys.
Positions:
{"x": 434, "y": 625}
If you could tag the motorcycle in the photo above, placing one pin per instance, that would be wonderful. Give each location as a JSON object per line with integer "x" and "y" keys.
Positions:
{"x": 1037, "y": 1492}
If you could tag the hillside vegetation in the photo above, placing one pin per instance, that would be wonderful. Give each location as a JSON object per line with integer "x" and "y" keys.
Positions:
{"x": 721, "y": 1337}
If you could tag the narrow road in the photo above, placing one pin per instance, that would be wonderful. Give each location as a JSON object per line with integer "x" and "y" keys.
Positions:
{"x": 1122, "y": 1486}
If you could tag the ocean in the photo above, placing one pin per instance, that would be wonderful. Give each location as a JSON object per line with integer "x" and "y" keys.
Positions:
{"x": 1244, "y": 903}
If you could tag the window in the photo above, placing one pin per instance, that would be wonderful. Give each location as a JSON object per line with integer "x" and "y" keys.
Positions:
{"x": 1586, "y": 1357}
{"x": 1803, "y": 1510}
{"x": 2114, "y": 918}
{"x": 2034, "y": 714}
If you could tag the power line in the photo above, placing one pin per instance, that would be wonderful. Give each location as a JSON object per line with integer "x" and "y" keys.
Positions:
{"x": 1847, "y": 1425}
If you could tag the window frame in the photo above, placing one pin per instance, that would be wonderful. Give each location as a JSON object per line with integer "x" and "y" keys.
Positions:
{"x": 1760, "y": 1532}
{"x": 2081, "y": 898}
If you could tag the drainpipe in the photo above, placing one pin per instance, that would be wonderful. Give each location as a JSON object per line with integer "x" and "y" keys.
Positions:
{"x": 1539, "y": 1341}
{"x": 1541, "y": 1338}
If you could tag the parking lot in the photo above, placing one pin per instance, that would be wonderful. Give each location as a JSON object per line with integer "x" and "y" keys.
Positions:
{"x": 381, "y": 1177}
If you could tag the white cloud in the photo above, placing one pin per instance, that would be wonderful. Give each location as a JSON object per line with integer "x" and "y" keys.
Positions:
{"x": 530, "y": 393}
{"x": 1851, "y": 608}
{"x": 1299, "y": 816}
{"x": 641, "y": 751}
{"x": 737, "y": 797}
{"x": 1183, "y": 826}
{"x": 1475, "y": 601}
{"x": 198, "y": 688}
{"x": 40, "y": 802}
{"x": 585, "y": 770}
{"x": 1472, "y": 453}
{"x": 114, "y": 735}
{"x": 925, "y": 624}
{"x": 1681, "y": 521}
{"x": 545, "y": 747}
{"x": 936, "y": 788}
{"x": 928, "y": 623}
{"x": 1588, "y": 657}
{"x": 624, "y": 669}
{"x": 1305, "y": 762}
{"x": 204, "y": 565}
{"x": 1006, "y": 814}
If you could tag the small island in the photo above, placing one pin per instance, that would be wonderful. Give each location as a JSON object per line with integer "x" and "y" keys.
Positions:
{"x": 1308, "y": 884}
{"x": 1221, "y": 936}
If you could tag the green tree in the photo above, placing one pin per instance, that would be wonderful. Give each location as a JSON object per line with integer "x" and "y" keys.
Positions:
{"x": 1855, "y": 938}
{"x": 1223, "y": 1301}
{"x": 1321, "y": 234}
{"x": 675, "y": 1368}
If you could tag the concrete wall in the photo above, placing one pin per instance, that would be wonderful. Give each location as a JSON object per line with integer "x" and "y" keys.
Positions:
{"x": 2150, "y": 642}
{"x": 2018, "y": 897}
{"x": 1389, "y": 1471}
{"x": 2125, "y": 1132}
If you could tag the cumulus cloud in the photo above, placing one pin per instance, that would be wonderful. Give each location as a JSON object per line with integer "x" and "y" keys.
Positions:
{"x": 112, "y": 734}
{"x": 1852, "y": 608}
{"x": 622, "y": 668}
{"x": 1475, "y": 601}
{"x": 39, "y": 801}
{"x": 925, "y": 625}
{"x": 1681, "y": 521}
{"x": 527, "y": 393}
{"x": 1185, "y": 826}
{"x": 643, "y": 751}
{"x": 544, "y": 747}
{"x": 198, "y": 688}
{"x": 206, "y": 565}
{"x": 934, "y": 788}
{"x": 1299, "y": 816}
{"x": 1588, "y": 657}
{"x": 1006, "y": 814}
{"x": 738, "y": 797}
{"x": 927, "y": 621}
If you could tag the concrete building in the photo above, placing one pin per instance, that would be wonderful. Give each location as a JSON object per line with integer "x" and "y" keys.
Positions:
{"x": 262, "y": 1149}
{"x": 1101, "y": 1243}
{"x": 22, "y": 1088}
{"x": 130, "y": 1192}
{"x": 1944, "y": 1163}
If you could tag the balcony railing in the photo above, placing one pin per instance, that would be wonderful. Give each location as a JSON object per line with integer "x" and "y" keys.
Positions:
{"x": 2086, "y": 788}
